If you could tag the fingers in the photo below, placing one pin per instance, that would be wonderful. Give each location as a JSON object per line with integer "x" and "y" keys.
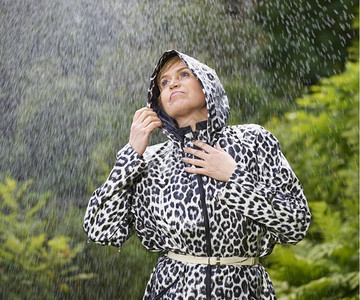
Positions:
{"x": 198, "y": 153}
{"x": 150, "y": 120}
{"x": 144, "y": 123}
{"x": 195, "y": 162}
{"x": 153, "y": 125}
{"x": 212, "y": 162}
{"x": 143, "y": 113}
{"x": 203, "y": 153}
{"x": 203, "y": 146}
{"x": 219, "y": 148}
{"x": 140, "y": 111}
{"x": 196, "y": 171}
{"x": 146, "y": 119}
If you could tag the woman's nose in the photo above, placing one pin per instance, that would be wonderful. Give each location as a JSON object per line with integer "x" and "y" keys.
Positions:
{"x": 174, "y": 83}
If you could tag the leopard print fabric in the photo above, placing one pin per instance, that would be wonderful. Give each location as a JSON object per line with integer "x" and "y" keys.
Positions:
{"x": 171, "y": 210}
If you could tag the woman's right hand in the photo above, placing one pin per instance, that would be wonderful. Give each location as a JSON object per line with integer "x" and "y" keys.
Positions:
{"x": 145, "y": 121}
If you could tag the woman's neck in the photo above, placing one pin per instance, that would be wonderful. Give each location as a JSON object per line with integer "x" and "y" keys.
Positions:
{"x": 191, "y": 121}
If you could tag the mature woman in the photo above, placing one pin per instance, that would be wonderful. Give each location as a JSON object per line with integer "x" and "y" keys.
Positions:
{"x": 213, "y": 198}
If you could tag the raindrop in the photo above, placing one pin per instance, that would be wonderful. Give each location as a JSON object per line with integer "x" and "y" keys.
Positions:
{"x": 73, "y": 73}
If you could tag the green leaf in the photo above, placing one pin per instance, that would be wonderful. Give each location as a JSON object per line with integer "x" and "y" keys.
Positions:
{"x": 40, "y": 203}
{"x": 35, "y": 243}
{"x": 13, "y": 244}
{"x": 82, "y": 276}
{"x": 7, "y": 193}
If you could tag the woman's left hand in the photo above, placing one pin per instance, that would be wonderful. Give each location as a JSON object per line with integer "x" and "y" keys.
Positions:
{"x": 212, "y": 162}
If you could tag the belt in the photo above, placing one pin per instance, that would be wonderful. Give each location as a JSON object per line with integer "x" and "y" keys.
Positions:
{"x": 214, "y": 261}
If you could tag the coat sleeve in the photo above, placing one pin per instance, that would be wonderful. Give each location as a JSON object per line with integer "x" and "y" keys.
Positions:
{"x": 108, "y": 218}
{"x": 267, "y": 191}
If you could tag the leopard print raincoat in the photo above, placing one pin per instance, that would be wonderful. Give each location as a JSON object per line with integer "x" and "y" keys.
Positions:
{"x": 171, "y": 210}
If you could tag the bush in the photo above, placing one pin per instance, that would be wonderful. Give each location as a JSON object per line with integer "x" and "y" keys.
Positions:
{"x": 31, "y": 262}
{"x": 321, "y": 142}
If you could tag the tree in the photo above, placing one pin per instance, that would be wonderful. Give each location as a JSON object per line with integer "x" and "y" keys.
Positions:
{"x": 306, "y": 40}
{"x": 321, "y": 142}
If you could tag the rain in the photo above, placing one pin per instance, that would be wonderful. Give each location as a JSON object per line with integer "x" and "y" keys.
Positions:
{"x": 73, "y": 73}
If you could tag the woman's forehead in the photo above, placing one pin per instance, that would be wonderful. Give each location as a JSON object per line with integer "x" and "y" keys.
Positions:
{"x": 171, "y": 65}
{"x": 175, "y": 67}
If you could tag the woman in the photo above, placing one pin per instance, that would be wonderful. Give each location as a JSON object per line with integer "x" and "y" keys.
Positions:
{"x": 213, "y": 197}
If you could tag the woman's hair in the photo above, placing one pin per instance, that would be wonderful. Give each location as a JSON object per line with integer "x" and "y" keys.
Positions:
{"x": 168, "y": 64}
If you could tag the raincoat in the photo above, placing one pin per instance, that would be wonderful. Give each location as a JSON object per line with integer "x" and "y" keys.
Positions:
{"x": 172, "y": 210}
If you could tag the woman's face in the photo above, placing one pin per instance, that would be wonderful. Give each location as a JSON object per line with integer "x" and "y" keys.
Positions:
{"x": 181, "y": 94}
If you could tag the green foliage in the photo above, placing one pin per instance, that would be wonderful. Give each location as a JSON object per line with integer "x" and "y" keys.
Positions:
{"x": 122, "y": 274}
{"x": 71, "y": 82}
{"x": 321, "y": 142}
{"x": 319, "y": 270}
{"x": 30, "y": 261}
{"x": 322, "y": 137}
{"x": 302, "y": 36}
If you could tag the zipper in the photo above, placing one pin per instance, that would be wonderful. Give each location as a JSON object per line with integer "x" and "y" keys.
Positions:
{"x": 207, "y": 235}
{"x": 203, "y": 204}
{"x": 205, "y": 213}
{"x": 207, "y": 227}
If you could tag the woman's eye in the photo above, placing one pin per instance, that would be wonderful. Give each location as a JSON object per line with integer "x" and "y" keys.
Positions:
{"x": 185, "y": 74}
{"x": 164, "y": 82}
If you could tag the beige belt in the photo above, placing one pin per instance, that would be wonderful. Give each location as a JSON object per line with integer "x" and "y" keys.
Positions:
{"x": 215, "y": 261}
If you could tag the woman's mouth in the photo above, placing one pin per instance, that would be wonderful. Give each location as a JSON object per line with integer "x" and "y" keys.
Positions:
{"x": 173, "y": 94}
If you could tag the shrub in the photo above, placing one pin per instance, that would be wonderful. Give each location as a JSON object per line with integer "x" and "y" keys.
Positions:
{"x": 31, "y": 261}
{"x": 321, "y": 142}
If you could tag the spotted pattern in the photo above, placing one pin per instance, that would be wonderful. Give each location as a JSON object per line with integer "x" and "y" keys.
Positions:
{"x": 262, "y": 203}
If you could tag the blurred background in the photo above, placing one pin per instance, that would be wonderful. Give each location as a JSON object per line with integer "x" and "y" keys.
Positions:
{"x": 72, "y": 74}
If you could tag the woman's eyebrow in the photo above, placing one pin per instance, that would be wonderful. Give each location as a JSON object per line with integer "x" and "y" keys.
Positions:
{"x": 176, "y": 71}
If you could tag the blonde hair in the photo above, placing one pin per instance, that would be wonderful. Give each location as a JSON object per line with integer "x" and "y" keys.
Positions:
{"x": 168, "y": 64}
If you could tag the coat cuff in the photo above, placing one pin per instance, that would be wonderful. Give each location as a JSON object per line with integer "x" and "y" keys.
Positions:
{"x": 132, "y": 163}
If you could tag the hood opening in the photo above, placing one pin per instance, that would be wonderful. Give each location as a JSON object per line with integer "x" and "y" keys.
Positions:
{"x": 215, "y": 96}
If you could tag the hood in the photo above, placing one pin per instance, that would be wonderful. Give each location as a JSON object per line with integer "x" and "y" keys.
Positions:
{"x": 215, "y": 96}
